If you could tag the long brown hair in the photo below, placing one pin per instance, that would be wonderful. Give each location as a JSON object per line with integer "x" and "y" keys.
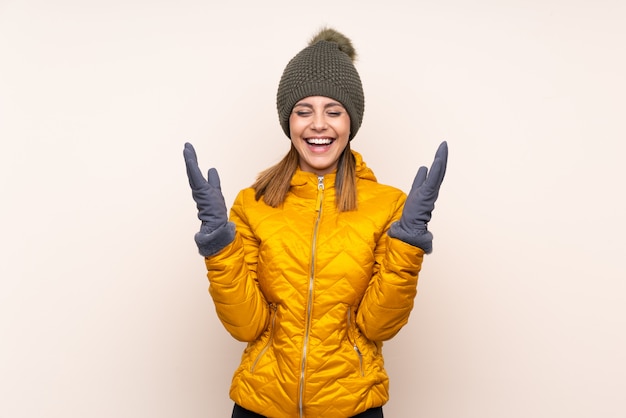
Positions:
{"x": 273, "y": 184}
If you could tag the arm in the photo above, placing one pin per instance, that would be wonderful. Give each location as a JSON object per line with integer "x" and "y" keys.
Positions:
{"x": 239, "y": 303}
{"x": 388, "y": 301}
{"x": 230, "y": 256}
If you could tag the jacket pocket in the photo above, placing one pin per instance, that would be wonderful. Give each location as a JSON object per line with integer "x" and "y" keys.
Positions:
{"x": 270, "y": 340}
{"x": 351, "y": 333}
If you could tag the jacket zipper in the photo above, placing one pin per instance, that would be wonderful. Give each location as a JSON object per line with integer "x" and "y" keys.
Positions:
{"x": 352, "y": 340}
{"x": 318, "y": 209}
{"x": 269, "y": 341}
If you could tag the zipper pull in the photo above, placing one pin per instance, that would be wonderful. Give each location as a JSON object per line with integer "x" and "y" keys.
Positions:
{"x": 320, "y": 193}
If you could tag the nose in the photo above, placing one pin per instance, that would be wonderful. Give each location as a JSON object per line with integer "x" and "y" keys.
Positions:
{"x": 318, "y": 122}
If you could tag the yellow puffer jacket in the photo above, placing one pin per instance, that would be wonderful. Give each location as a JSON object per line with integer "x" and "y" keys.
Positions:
{"x": 314, "y": 292}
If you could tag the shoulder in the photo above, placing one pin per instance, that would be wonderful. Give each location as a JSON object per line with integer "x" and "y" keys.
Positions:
{"x": 368, "y": 185}
{"x": 246, "y": 198}
{"x": 383, "y": 194}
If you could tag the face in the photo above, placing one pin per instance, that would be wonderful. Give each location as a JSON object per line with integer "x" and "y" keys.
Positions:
{"x": 320, "y": 130}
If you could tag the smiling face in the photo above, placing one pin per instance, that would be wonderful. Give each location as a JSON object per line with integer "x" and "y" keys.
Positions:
{"x": 319, "y": 130}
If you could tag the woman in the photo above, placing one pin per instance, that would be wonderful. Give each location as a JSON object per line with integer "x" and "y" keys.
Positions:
{"x": 318, "y": 264}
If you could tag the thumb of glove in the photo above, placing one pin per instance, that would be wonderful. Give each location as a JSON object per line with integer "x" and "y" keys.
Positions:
{"x": 214, "y": 179}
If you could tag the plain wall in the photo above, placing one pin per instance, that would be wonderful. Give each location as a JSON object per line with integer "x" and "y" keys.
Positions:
{"x": 104, "y": 310}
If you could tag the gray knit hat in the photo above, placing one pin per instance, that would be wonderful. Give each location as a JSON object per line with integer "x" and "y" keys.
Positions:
{"x": 324, "y": 68}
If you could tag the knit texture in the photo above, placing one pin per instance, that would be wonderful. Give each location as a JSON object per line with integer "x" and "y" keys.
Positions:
{"x": 321, "y": 69}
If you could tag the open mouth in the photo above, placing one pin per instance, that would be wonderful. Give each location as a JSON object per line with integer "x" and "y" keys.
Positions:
{"x": 319, "y": 141}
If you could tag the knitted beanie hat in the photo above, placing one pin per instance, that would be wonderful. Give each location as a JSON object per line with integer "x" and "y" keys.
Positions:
{"x": 324, "y": 68}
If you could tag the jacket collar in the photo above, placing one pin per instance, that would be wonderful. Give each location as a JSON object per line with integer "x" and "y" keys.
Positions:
{"x": 300, "y": 178}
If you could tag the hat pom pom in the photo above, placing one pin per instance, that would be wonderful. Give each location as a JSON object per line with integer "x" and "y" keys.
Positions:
{"x": 331, "y": 35}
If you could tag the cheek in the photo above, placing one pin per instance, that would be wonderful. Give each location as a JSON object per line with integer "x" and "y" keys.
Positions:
{"x": 343, "y": 128}
{"x": 346, "y": 125}
{"x": 294, "y": 126}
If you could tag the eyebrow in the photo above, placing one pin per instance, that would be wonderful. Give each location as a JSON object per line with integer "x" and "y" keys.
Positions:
{"x": 327, "y": 105}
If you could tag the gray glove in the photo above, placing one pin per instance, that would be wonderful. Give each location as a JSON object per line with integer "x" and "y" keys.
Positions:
{"x": 215, "y": 232}
{"x": 420, "y": 203}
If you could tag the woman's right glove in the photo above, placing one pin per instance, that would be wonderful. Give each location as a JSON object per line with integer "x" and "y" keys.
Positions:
{"x": 419, "y": 205}
{"x": 215, "y": 232}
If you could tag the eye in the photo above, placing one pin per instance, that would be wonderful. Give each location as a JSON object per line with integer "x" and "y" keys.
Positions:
{"x": 334, "y": 113}
{"x": 303, "y": 113}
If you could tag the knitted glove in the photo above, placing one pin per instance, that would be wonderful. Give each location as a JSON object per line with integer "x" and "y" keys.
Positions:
{"x": 215, "y": 231}
{"x": 419, "y": 205}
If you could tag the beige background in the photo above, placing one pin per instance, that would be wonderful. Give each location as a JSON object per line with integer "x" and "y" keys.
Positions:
{"x": 104, "y": 310}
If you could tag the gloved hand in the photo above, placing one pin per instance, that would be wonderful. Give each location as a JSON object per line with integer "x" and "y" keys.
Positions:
{"x": 420, "y": 203}
{"x": 215, "y": 232}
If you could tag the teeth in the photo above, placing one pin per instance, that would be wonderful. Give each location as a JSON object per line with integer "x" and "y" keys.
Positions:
{"x": 319, "y": 141}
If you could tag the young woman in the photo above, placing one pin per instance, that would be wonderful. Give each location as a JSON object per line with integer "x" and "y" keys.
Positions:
{"x": 318, "y": 264}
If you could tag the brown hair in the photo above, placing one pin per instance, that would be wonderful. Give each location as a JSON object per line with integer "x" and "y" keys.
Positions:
{"x": 273, "y": 184}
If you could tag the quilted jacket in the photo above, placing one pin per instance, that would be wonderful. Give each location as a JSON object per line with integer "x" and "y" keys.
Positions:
{"x": 314, "y": 292}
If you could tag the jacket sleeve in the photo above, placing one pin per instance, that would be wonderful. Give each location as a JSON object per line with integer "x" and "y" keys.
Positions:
{"x": 240, "y": 304}
{"x": 388, "y": 300}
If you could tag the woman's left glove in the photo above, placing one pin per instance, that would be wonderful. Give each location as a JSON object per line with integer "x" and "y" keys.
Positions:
{"x": 215, "y": 232}
{"x": 420, "y": 203}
